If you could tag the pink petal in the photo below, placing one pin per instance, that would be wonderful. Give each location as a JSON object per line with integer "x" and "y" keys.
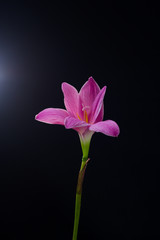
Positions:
{"x": 89, "y": 92}
{"x": 100, "y": 115}
{"x": 71, "y": 122}
{"x": 52, "y": 116}
{"x": 97, "y": 107}
{"x": 107, "y": 127}
{"x": 71, "y": 99}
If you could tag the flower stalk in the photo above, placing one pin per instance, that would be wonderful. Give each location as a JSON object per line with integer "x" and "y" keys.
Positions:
{"x": 78, "y": 197}
{"x": 85, "y": 144}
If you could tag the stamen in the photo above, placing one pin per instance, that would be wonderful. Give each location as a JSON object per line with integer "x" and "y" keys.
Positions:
{"x": 78, "y": 117}
{"x": 85, "y": 116}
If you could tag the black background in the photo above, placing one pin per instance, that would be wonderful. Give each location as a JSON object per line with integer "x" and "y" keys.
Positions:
{"x": 41, "y": 46}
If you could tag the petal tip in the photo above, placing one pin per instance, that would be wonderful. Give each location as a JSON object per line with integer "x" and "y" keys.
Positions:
{"x": 104, "y": 88}
{"x": 63, "y": 85}
{"x": 92, "y": 81}
{"x": 114, "y": 129}
{"x": 36, "y": 117}
{"x": 116, "y": 132}
{"x": 91, "y": 78}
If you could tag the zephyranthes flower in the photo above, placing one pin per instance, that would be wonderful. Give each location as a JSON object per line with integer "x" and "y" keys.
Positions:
{"x": 84, "y": 113}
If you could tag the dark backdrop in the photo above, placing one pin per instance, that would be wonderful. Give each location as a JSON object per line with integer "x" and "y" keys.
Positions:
{"x": 41, "y": 46}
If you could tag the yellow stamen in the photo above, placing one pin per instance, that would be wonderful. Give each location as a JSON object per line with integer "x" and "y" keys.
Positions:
{"x": 78, "y": 117}
{"x": 85, "y": 116}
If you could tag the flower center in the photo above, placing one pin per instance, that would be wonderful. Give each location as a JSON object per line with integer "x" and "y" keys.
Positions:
{"x": 85, "y": 115}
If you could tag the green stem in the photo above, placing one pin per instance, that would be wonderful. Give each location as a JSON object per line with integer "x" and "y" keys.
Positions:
{"x": 78, "y": 198}
{"x": 77, "y": 215}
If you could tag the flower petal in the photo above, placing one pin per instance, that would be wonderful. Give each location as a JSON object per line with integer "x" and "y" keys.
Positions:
{"x": 97, "y": 106}
{"x": 107, "y": 127}
{"x": 52, "y": 116}
{"x": 71, "y": 98}
{"x": 71, "y": 122}
{"x": 100, "y": 115}
{"x": 89, "y": 92}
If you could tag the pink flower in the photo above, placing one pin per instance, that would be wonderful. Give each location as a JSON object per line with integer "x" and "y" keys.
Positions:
{"x": 84, "y": 111}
